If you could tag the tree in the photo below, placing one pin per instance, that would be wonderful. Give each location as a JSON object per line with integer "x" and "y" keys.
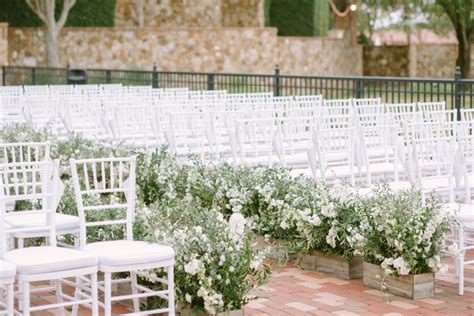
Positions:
{"x": 459, "y": 12}
{"x": 45, "y": 10}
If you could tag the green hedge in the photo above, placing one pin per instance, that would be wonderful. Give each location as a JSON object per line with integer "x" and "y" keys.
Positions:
{"x": 298, "y": 17}
{"x": 84, "y": 13}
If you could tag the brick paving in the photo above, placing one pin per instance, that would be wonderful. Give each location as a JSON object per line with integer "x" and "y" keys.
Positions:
{"x": 292, "y": 291}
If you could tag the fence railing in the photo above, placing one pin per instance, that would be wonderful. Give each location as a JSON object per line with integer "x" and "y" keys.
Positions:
{"x": 456, "y": 92}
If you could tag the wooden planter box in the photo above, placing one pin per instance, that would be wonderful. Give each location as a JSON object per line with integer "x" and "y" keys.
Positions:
{"x": 413, "y": 286}
{"x": 333, "y": 264}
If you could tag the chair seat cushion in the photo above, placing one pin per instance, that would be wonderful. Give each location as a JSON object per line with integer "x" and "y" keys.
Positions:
{"x": 63, "y": 222}
{"x": 36, "y": 260}
{"x": 125, "y": 252}
{"x": 7, "y": 269}
{"x": 464, "y": 213}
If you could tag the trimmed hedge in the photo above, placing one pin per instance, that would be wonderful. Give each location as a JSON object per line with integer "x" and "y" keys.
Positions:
{"x": 94, "y": 13}
{"x": 298, "y": 18}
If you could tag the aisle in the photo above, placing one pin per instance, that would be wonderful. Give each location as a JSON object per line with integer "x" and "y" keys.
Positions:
{"x": 291, "y": 291}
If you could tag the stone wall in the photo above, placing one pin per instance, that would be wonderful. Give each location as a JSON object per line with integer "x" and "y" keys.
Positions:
{"x": 421, "y": 60}
{"x": 247, "y": 50}
{"x": 318, "y": 56}
{"x": 435, "y": 61}
{"x": 192, "y": 13}
{"x": 3, "y": 44}
{"x": 242, "y": 13}
{"x": 391, "y": 61}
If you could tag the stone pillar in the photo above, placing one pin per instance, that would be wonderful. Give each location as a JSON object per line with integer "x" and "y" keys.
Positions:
{"x": 3, "y": 44}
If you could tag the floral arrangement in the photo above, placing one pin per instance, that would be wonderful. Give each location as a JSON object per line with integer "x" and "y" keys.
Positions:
{"x": 404, "y": 235}
{"x": 332, "y": 221}
{"x": 216, "y": 265}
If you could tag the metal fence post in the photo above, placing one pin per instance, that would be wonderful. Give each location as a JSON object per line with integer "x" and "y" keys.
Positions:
{"x": 276, "y": 88}
{"x": 33, "y": 76}
{"x": 457, "y": 92}
{"x": 357, "y": 89}
{"x": 108, "y": 76}
{"x": 154, "y": 77}
{"x": 4, "y": 75}
{"x": 68, "y": 67}
{"x": 210, "y": 81}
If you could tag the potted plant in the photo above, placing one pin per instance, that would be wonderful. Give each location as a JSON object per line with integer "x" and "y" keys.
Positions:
{"x": 404, "y": 242}
{"x": 330, "y": 231}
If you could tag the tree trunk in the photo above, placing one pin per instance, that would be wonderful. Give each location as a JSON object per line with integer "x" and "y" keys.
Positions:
{"x": 464, "y": 57}
{"x": 52, "y": 48}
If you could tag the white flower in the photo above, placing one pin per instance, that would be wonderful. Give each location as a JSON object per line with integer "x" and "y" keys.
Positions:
{"x": 328, "y": 210}
{"x": 331, "y": 237}
{"x": 386, "y": 263}
{"x": 231, "y": 269}
{"x": 284, "y": 224}
{"x": 237, "y": 225}
{"x": 193, "y": 266}
{"x": 401, "y": 266}
{"x": 255, "y": 264}
{"x": 188, "y": 298}
{"x": 315, "y": 220}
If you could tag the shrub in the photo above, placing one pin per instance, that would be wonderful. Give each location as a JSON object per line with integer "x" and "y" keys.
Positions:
{"x": 299, "y": 18}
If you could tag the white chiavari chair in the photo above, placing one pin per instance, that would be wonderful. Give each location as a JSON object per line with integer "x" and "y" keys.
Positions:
{"x": 117, "y": 176}
{"x": 37, "y": 183}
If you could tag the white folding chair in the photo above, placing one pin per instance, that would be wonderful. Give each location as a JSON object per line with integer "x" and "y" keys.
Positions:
{"x": 34, "y": 152}
{"x": 7, "y": 284}
{"x": 38, "y": 181}
{"x": 117, "y": 176}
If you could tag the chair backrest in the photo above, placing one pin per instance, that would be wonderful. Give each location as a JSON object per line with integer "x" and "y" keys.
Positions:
{"x": 34, "y": 182}
{"x": 100, "y": 178}
{"x": 368, "y": 106}
{"x": 432, "y": 106}
{"x": 24, "y": 152}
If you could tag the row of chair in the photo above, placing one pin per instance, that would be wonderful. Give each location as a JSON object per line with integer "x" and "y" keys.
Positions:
{"x": 27, "y": 175}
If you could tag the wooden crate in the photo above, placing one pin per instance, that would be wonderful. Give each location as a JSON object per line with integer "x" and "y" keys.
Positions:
{"x": 413, "y": 286}
{"x": 333, "y": 264}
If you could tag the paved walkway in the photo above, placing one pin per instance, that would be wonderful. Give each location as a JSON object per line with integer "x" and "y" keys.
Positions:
{"x": 291, "y": 291}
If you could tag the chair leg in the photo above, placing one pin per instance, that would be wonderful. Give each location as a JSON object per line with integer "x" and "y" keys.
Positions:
{"x": 20, "y": 296}
{"x": 108, "y": 293}
{"x": 94, "y": 295}
{"x": 460, "y": 258}
{"x": 26, "y": 298}
{"x": 171, "y": 301}
{"x": 77, "y": 296}
{"x": 10, "y": 299}
{"x": 21, "y": 243}
{"x": 59, "y": 296}
{"x": 136, "y": 301}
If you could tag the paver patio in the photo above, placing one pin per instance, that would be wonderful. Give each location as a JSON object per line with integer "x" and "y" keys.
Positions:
{"x": 291, "y": 291}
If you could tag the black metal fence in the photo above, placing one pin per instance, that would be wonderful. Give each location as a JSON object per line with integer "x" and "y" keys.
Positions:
{"x": 456, "y": 92}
